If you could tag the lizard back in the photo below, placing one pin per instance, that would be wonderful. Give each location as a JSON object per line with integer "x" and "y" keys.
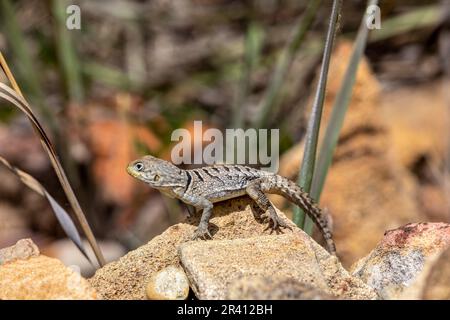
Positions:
{"x": 221, "y": 182}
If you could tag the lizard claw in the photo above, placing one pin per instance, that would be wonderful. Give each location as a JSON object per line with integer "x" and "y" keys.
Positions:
{"x": 201, "y": 234}
{"x": 277, "y": 222}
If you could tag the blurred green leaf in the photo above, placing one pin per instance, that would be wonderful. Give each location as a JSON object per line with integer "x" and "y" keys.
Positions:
{"x": 23, "y": 60}
{"x": 253, "y": 44}
{"x": 415, "y": 19}
{"x": 67, "y": 52}
{"x": 269, "y": 102}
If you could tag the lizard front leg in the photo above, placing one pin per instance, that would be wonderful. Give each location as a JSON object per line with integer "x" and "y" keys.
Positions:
{"x": 204, "y": 205}
{"x": 255, "y": 192}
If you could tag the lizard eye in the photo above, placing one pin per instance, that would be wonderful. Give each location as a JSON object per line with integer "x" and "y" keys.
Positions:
{"x": 139, "y": 166}
{"x": 156, "y": 178}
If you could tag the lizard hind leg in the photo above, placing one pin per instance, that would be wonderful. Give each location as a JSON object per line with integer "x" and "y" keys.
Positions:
{"x": 254, "y": 191}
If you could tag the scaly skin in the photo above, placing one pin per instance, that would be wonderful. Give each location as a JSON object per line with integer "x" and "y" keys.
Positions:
{"x": 203, "y": 187}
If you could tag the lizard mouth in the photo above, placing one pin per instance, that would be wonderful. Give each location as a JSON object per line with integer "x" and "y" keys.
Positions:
{"x": 132, "y": 172}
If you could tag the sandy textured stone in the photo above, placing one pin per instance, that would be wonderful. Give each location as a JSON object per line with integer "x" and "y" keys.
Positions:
{"x": 399, "y": 259}
{"x": 42, "y": 278}
{"x": 23, "y": 249}
{"x": 170, "y": 283}
{"x": 127, "y": 277}
{"x": 212, "y": 266}
{"x": 273, "y": 288}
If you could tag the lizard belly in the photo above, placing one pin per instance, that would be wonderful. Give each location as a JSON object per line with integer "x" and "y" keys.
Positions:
{"x": 225, "y": 195}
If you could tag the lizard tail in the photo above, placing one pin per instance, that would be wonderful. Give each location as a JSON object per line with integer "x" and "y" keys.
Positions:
{"x": 295, "y": 194}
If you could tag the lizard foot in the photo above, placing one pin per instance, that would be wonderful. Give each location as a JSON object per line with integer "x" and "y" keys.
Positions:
{"x": 202, "y": 233}
{"x": 275, "y": 222}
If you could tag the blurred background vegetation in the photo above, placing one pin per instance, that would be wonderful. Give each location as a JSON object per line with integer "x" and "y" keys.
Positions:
{"x": 137, "y": 70}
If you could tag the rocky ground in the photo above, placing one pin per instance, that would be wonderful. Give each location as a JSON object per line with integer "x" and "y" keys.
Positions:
{"x": 244, "y": 261}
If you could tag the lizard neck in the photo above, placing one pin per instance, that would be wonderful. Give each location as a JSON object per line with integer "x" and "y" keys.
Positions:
{"x": 175, "y": 183}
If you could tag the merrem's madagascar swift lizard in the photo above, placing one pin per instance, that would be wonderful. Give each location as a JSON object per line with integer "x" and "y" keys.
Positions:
{"x": 205, "y": 186}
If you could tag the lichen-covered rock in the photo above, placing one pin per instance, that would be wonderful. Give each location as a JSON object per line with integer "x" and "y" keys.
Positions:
{"x": 273, "y": 288}
{"x": 398, "y": 260}
{"x": 170, "y": 283}
{"x": 28, "y": 275}
{"x": 23, "y": 249}
{"x": 212, "y": 266}
{"x": 127, "y": 278}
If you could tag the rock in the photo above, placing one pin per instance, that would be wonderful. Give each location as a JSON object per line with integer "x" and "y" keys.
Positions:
{"x": 433, "y": 283}
{"x": 212, "y": 266}
{"x": 170, "y": 283}
{"x": 23, "y": 249}
{"x": 65, "y": 251}
{"x": 26, "y": 275}
{"x": 127, "y": 277}
{"x": 273, "y": 288}
{"x": 400, "y": 257}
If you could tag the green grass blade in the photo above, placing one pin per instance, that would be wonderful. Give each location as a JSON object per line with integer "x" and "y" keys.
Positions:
{"x": 312, "y": 133}
{"x": 253, "y": 44}
{"x": 67, "y": 53}
{"x": 23, "y": 60}
{"x": 339, "y": 110}
{"x": 270, "y": 100}
{"x": 106, "y": 75}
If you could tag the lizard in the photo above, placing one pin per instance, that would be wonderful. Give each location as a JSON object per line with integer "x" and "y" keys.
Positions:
{"x": 202, "y": 187}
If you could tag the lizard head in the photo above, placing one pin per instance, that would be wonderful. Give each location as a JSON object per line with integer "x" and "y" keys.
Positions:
{"x": 157, "y": 173}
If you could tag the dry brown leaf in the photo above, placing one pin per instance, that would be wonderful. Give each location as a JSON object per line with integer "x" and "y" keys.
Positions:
{"x": 113, "y": 147}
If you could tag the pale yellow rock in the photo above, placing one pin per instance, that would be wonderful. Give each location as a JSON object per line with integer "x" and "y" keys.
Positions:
{"x": 170, "y": 283}
{"x": 127, "y": 278}
{"x": 42, "y": 278}
{"x": 212, "y": 266}
{"x": 273, "y": 288}
{"x": 23, "y": 249}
